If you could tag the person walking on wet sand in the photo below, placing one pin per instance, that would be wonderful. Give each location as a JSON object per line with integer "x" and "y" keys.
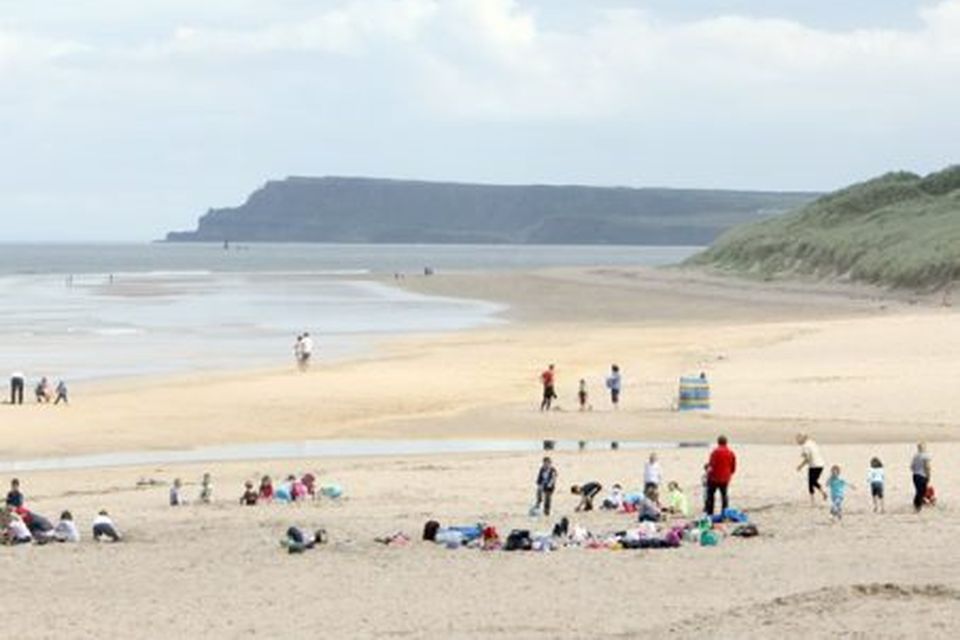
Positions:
{"x": 548, "y": 380}
{"x": 546, "y": 484}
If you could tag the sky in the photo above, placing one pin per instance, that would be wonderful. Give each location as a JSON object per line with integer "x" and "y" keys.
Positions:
{"x": 122, "y": 120}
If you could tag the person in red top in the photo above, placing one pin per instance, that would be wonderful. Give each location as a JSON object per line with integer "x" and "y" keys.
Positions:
{"x": 720, "y": 470}
{"x": 549, "y": 392}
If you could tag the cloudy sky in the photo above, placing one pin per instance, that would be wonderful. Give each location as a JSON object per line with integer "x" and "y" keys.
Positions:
{"x": 120, "y": 120}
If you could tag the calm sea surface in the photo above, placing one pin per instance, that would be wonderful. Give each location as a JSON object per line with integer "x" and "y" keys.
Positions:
{"x": 105, "y": 311}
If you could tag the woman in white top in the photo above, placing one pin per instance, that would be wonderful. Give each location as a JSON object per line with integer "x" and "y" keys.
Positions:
{"x": 652, "y": 473}
{"x": 812, "y": 459}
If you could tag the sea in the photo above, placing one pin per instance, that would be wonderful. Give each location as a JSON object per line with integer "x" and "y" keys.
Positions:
{"x": 82, "y": 312}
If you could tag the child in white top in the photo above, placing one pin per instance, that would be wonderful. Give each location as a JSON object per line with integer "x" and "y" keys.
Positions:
{"x": 66, "y": 529}
{"x": 875, "y": 478}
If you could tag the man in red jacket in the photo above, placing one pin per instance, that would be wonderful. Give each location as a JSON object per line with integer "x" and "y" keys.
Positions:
{"x": 720, "y": 470}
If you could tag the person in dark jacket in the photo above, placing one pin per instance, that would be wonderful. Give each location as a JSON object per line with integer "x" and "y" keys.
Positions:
{"x": 546, "y": 484}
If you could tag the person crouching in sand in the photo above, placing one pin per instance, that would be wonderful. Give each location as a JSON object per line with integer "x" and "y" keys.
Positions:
{"x": 587, "y": 492}
{"x": 103, "y": 528}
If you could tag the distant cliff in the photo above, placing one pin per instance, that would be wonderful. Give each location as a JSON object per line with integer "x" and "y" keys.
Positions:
{"x": 367, "y": 210}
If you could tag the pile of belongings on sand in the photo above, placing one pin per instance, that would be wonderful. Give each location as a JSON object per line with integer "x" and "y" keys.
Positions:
{"x": 705, "y": 531}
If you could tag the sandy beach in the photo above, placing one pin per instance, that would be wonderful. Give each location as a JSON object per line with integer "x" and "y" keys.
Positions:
{"x": 867, "y": 373}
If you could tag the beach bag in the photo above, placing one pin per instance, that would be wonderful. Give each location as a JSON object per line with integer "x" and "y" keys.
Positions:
{"x": 709, "y": 539}
{"x": 518, "y": 540}
{"x": 930, "y": 495}
{"x": 331, "y": 491}
{"x": 430, "y": 530}
{"x": 746, "y": 531}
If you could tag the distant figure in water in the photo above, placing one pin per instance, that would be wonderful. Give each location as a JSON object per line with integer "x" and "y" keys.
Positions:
{"x": 298, "y": 351}
{"x": 548, "y": 380}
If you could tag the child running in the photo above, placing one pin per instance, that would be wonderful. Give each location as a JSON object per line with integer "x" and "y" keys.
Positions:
{"x": 875, "y": 478}
{"x": 838, "y": 488}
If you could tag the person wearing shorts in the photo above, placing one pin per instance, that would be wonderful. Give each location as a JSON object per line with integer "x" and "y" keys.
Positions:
{"x": 547, "y": 379}
{"x": 812, "y": 459}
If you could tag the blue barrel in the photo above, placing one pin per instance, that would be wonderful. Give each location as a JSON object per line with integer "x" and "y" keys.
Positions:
{"x": 694, "y": 394}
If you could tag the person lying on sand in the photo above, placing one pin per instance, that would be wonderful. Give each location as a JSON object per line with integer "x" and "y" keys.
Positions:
{"x": 587, "y": 493}
{"x": 297, "y": 541}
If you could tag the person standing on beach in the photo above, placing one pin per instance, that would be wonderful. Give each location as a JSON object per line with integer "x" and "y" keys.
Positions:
{"x": 812, "y": 459}
{"x": 720, "y": 469}
{"x": 614, "y": 383}
{"x": 306, "y": 350}
{"x": 17, "y": 382}
{"x": 920, "y": 468}
{"x": 298, "y": 351}
{"x": 546, "y": 484}
{"x": 548, "y": 380}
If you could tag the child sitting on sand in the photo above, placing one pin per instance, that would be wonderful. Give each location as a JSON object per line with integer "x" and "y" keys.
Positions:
{"x": 176, "y": 494}
{"x": 249, "y": 497}
{"x": 875, "y": 477}
{"x": 266, "y": 489}
{"x": 677, "y": 502}
{"x": 649, "y": 507}
{"x": 206, "y": 489}
{"x": 615, "y": 499}
{"x": 13, "y": 530}
{"x": 587, "y": 493}
{"x": 66, "y": 529}
{"x": 838, "y": 488}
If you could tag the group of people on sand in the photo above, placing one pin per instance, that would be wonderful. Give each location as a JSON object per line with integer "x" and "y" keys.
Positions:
{"x": 649, "y": 505}
{"x": 292, "y": 489}
{"x": 813, "y": 461}
{"x": 303, "y": 350}
{"x": 20, "y": 525}
{"x": 718, "y": 474}
{"x": 44, "y": 392}
{"x": 548, "y": 382}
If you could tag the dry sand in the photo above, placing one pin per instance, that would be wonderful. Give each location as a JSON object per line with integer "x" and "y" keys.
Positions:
{"x": 867, "y": 374}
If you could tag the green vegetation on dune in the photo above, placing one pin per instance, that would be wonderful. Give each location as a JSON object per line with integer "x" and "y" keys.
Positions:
{"x": 900, "y": 230}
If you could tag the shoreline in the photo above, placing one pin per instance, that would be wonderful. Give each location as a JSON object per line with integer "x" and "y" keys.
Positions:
{"x": 482, "y": 383}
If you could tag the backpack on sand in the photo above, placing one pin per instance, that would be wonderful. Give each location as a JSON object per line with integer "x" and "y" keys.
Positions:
{"x": 518, "y": 540}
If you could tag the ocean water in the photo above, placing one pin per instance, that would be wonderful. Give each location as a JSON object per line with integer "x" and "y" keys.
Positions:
{"x": 83, "y": 312}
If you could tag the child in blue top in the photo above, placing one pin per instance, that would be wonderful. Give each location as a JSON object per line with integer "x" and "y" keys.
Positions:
{"x": 838, "y": 488}
{"x": 875, "y": 478}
